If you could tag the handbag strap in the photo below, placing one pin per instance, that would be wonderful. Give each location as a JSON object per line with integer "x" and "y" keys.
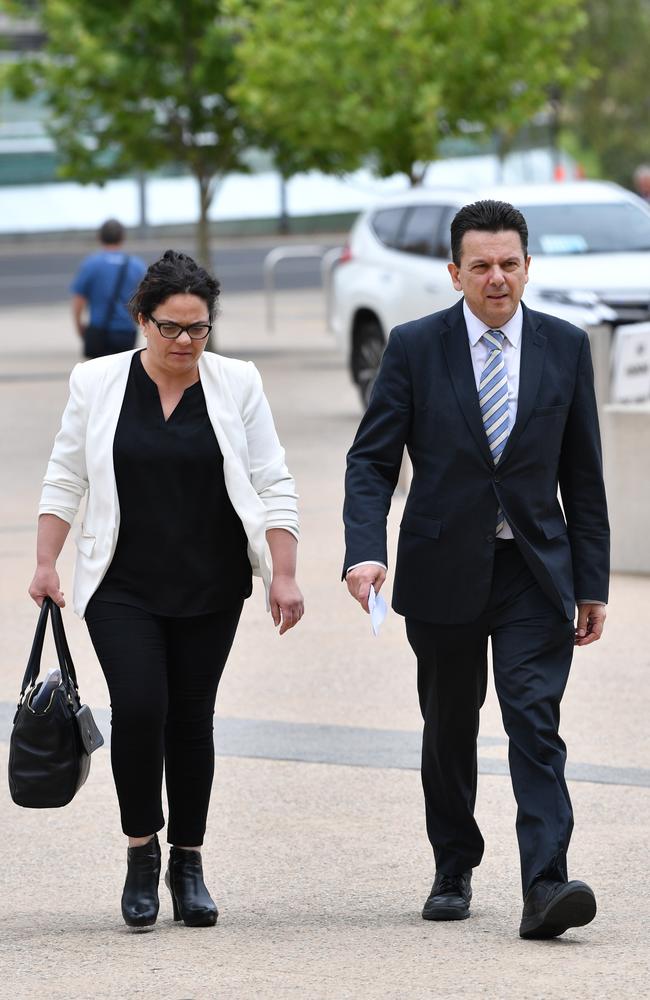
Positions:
{"x": 49, "y": 609}
{"x": 121, "y": 275}
{"x": 62, "y": 648}
{"x": 34, "y": 661}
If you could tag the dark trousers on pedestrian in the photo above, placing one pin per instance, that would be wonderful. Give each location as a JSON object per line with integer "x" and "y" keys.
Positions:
{"x": 162, "y": 676}
{"x": 532, "y": 647}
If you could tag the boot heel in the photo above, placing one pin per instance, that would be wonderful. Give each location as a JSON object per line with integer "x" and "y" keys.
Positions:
{"x": 191, "y": 900}
{"x": 177, "y": 912}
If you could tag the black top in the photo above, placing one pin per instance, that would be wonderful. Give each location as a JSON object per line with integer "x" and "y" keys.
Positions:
{"x": 182, "y": 549}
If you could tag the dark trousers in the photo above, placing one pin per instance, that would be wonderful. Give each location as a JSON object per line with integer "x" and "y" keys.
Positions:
{"x": 162, "y": 676}
{"x": 532, "y": 647}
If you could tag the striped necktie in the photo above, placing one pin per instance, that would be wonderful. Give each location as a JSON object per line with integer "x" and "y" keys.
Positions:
{"x": 493, "y": 401}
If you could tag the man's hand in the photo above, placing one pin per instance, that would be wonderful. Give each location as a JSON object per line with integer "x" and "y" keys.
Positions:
{"x": 591, "y": 621}
{"x": 359, "y": 580}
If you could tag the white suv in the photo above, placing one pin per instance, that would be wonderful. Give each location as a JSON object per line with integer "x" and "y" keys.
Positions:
{"x": 590, "y": 248}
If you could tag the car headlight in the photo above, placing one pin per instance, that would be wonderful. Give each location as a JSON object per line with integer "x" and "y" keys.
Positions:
{"x": 578, "y": 307}
{"x": 569, "y": 297}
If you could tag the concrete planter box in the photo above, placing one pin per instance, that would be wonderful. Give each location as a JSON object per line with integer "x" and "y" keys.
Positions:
{"x": 626, "y": 443}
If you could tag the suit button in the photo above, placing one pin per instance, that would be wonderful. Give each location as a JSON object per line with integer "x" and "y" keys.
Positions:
{"x": 490, "y": 538}
{"x": 497, "y": 479}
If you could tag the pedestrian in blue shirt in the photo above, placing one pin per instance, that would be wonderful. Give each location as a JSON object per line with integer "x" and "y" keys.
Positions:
{"x": 100, "y": 292}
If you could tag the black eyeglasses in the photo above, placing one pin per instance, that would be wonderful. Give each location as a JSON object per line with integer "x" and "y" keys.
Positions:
{"x": 172, "y": 331}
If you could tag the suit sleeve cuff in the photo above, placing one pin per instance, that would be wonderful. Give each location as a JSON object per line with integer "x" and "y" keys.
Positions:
{"x": 367, "y": 562}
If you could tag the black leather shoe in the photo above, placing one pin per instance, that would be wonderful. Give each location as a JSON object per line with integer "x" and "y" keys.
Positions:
{"x": 140, "y": 895}
{"x": 449, "y": 898}
{"x": 551, "y": 907}
{"x": 191, "y": 900}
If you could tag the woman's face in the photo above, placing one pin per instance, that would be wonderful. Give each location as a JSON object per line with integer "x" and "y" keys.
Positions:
{"x": 179, "y": 356}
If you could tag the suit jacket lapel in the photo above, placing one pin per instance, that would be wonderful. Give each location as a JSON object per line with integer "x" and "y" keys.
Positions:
{"x": 459, "y": 360}
{"x": 533, "y": 349}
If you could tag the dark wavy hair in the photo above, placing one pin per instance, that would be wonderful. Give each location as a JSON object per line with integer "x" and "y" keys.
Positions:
{"x": 489, "y": 217}
{"x": 174, "y": 274}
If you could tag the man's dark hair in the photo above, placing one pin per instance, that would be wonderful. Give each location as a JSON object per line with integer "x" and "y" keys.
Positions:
{"x": 174, "y": 274}
{"x": 111, "y": 232}
{"x": 488, "y": 217}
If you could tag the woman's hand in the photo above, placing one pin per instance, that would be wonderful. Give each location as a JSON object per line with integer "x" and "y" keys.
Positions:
{"x": 46, "y": 583}
{"x": 52, "y": 533}
{"x": 287, "y": 604}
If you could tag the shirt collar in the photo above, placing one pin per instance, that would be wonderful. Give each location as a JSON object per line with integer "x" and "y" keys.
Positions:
{"x": 476, "y": 327}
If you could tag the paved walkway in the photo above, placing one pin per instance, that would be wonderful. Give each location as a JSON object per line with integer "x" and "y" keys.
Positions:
{"x": 316, "y": 850}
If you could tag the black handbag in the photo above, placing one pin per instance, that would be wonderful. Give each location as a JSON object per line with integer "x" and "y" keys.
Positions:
{"x": 50, "y": 747}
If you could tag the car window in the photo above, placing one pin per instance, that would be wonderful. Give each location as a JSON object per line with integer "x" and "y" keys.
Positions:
{"x": 421, "y": 232}
{"x": 613, "y": 227}
{"x": 449, "y": 211}
{"x": 386, "y": 224}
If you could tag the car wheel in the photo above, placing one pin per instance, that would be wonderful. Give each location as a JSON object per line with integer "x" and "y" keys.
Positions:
{"x": 368, "y": 350}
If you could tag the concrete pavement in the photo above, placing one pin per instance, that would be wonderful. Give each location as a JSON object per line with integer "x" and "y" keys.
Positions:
{"x": 316, "y": 850}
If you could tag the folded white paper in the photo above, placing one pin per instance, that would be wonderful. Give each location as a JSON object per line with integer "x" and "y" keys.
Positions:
{"x": 378, "y": 610}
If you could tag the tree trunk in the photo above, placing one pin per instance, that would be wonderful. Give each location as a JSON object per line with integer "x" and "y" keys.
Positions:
{"x": 503, "y": 141}
{"x": 555, "y": 102}
{"x": 143, "y": 222}
{"x": 283, "y": 222}
{"x": 203, "y": 253}
{"x": 416, "y": 176}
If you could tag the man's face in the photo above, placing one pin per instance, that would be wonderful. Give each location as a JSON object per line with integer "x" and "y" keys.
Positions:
{"x": 491, "y": 275}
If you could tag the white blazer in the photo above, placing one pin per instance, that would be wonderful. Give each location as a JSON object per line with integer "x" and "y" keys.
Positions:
{"x": 257, "y": 480}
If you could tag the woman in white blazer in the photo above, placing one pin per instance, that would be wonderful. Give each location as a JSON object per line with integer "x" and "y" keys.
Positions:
{"x": 187, "y": 495}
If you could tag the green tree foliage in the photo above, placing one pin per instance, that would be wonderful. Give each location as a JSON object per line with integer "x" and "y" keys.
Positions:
{"x": 330, "y": 83}
{"x": 135, "y": 86}
{"x": 610, "y": 113}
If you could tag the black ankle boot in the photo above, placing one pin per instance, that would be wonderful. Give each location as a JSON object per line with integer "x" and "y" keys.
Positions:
{"x": 191, "y": 900}
{"x": 140, "y": 896}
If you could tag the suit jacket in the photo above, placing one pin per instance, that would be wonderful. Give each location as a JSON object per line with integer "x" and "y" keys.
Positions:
{"x": 425, "y": 398}
{"x": 257, "y": 480}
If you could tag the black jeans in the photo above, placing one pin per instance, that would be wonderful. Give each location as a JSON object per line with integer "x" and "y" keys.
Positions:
{"x": 162, "y": 676}
{"x": 532, "y": 648}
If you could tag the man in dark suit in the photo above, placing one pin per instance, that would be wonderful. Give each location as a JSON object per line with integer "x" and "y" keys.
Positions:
{"x": 495, "y": 404}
